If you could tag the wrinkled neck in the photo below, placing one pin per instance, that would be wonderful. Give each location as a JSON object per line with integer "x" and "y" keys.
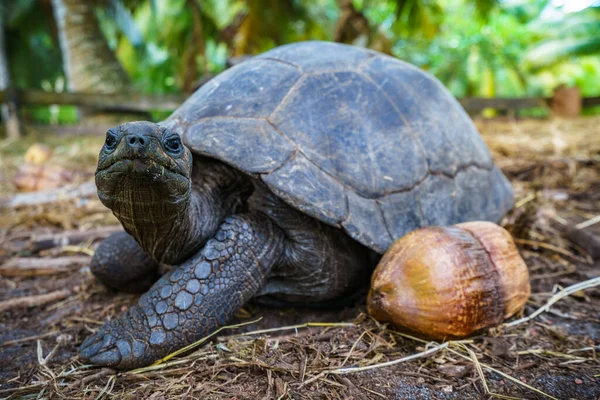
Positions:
{"x": 166, "y": 229}
{"x": 173, "y": 230}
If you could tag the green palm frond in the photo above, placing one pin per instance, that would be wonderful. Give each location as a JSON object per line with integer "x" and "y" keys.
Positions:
{"x": 485, "y": 7}
{"x": 553, "y": 51}
{"x": 121, "y": 15}
{"x": 30, "y": 40}
{"x": 575, "y": 34}
{"x": 417, "y": 16}
{"x": 585, "y": 23}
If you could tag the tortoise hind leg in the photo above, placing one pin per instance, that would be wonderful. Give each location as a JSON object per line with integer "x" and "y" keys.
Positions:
{"x": 120, "y": 263}
{"x": 321, "y": 266}
{"x": 191, "y": 301}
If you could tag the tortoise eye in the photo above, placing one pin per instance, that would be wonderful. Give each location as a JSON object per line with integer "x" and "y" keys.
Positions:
{"x": 173, "y": 144}
{"x": 111, "y": 141}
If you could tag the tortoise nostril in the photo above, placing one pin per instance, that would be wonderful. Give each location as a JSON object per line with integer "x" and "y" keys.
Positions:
{"x": 133, "y": 140}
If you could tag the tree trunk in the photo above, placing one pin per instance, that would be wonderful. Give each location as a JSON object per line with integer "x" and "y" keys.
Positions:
{"x": 352, "y": 26}
{"x": 89, "y": 64}
{"x": 8, "y": 109}
{"x": 196, "y": 47}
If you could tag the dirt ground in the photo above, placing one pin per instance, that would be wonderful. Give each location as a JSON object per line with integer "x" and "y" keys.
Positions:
{"x": 49, "y": 301}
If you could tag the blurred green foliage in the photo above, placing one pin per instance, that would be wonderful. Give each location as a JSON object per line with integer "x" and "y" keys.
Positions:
{"x": 32, "y": 48}
{"x": 490, "y": 48}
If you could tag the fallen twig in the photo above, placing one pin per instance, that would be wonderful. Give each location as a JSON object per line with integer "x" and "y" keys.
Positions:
{"x": 22, "y": 389}
{"x": 43, "y": 242}
{"x": 43, "y": 361}
{"x": 28, "y": 339}
{"x": 547, "y": 246}
{"x": 459, "y": 346}
{"x": 479, "y": 370}
{"x": 341, "y": 371}
{"x": 78, "y": 249}
{"x": 511, "y": 378}
{"x": 590, "y": 348}
{"x": 91, "y": 378}
{"x": 37, "y": 266}
{"x": 34, "y": 301}
{"x": 589, "y": 222}
{"x": 431, "y": 350}
{"x": 355, "y": 391}
{"x": 86, "y": 189}
{"x": 590, "y": 283}
{"x": 193, "y": 345}
{"x": 545, "y": 352}
{"x": 299, "y": 326}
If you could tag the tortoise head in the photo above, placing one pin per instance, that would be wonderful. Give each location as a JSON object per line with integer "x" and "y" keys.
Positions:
{"x": 145, "y": 163}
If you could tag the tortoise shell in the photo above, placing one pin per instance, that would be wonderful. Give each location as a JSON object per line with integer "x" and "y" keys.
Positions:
{"x": 357, "y": 139}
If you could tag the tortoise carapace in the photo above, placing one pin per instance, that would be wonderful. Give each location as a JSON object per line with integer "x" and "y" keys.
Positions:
{"x": 278, "y": 180}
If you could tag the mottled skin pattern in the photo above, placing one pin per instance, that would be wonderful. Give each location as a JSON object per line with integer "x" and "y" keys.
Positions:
{"x": 230, "y": 238}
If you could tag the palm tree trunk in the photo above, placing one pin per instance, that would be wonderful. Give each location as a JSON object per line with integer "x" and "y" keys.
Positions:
{"x": 89, "y": 64}
{"x": 196, "y": 47}
{"x": 7, "y": 109}
{"x": 352, "y": 26}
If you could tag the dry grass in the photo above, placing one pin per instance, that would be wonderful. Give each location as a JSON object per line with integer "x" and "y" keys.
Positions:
{"x": 304, "y": 354}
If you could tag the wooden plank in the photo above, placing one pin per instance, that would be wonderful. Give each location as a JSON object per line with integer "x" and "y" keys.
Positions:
{"x": 116, "y": 102}
{"x": 475, "y": 104}
{"x": 74, "y": 129}
{"x": 143, "y": 102}
{"x": 590, "y": 101}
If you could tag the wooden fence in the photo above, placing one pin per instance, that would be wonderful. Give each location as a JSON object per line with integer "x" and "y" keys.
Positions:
{"x": 131, "y": 102}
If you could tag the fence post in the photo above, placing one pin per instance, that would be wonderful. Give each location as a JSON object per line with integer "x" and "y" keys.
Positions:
{"x": 11, "y": 120}
{"x": 566, "y": 101}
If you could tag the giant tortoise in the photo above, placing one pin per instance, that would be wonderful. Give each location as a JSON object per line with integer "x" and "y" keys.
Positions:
{"x": 279, "y": 179}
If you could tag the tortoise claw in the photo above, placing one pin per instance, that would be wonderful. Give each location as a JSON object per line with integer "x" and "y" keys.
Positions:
{"x": 108, "y": 358}
{"x": 100, "y": 349}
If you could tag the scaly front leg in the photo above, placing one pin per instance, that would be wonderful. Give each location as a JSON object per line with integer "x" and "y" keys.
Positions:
{"x": 194, "y": 299}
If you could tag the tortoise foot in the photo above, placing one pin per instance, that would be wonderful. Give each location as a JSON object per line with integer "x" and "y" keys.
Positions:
{"x": 101, "y": 348}
{"x": 122, "y": 343}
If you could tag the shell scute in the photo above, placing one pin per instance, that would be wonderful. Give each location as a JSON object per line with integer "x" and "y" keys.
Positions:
{"x": 343, "y": 123}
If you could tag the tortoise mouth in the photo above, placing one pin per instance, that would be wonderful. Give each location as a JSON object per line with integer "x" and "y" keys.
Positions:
{"x": 145, "y": 180}
{"x": 135, "y": 166}
{"x": 145, "y": 176}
